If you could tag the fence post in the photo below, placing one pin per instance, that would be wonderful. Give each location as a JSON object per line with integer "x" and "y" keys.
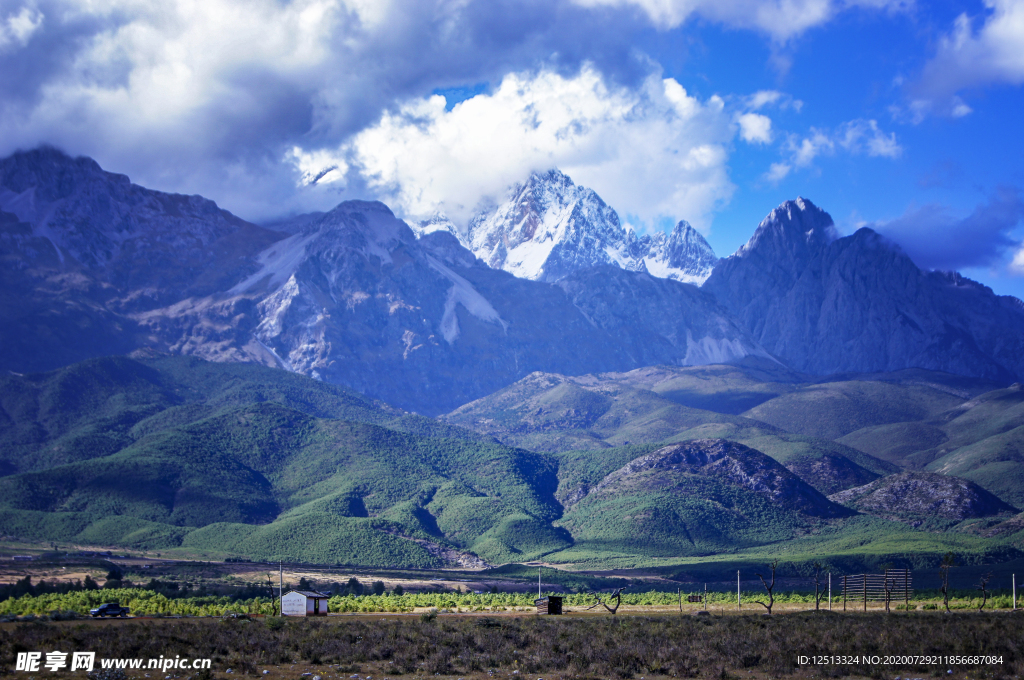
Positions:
{"x": 906, "y": 590}
{"x": 844, "y": 592}
{"x": 864, "y": 580}
{"x": 739, "y": 603}
{"x": 705, "y": 597}
{"x": 830, "y": 591}
{"x": 1015, "y": 592}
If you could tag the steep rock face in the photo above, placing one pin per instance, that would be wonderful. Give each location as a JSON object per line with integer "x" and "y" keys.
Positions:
{"x": 824, "y": 304}
{"x": 658, "y": 318}
{"x": 83, "y": 249}
{"x": 548, "y": 228}
{"x": 729, "y": 461}
{"x": 912, "y": 496}
{"x": 357, "y": 299}
{"x": 123, "y": 234}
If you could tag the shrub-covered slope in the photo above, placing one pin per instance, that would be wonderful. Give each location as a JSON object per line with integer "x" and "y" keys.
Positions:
{"x": 922, "y": 495}
{"x": 695, "y": 498}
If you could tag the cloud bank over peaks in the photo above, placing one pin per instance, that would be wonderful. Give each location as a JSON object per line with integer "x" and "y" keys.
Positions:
{"x": 935, "y": 237}
{"x": 653, "y": 153}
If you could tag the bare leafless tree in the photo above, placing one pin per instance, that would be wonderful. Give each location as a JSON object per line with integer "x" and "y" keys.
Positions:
{"x": 948, "y": 562}
{"x": 819, "y": 591}
{"x": 616, "y": 595}
{"x": 769, "y": 587}
{"x": 983, "y": 587}
{"x": 890, "y": 585}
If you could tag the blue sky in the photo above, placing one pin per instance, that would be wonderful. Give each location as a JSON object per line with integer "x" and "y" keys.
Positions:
{"x": 898, "y": 115}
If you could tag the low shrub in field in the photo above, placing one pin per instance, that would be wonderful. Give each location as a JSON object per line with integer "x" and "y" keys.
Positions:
{"x": 151, "y": 603}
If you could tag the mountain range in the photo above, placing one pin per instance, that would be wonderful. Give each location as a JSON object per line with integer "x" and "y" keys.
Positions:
{"x": 97, "y": 265}
{"x": 178, "y": 377}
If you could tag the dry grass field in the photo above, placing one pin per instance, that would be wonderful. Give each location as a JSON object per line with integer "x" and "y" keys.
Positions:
{"x": 634, "y": 644}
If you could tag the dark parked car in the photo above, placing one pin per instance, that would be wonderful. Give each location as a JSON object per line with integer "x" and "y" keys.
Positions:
{"x": 110, "y": 609}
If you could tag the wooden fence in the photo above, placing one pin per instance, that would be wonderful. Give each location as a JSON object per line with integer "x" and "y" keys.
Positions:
{"x": 892, "y": 586}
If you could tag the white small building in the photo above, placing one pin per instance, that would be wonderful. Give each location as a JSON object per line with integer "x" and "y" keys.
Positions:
{"x": 304, "y": 603}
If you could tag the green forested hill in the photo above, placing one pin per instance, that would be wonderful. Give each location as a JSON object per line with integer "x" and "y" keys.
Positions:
{"x": 262, "y": 462}
{"x": 97, "y": 407}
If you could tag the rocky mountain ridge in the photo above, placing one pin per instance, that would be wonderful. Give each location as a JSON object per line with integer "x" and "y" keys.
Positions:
{"x": 96, "y": 265}
{"x": 824, "y": 304}
{"x": 356, "y": 298}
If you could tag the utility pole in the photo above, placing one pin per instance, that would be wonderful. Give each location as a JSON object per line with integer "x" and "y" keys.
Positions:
{"x": 280, "y": 589}
{"x": 705, "y": 597}
{"x": 830, "y": 591}
{"x": 538, "y": 582}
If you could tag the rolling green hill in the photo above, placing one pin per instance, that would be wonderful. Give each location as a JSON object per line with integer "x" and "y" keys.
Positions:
{"x": 174, "y": 453}
{"x": 831, "y": 410}
{"x": 250, "y": 460}
{"x": 272, "y": 481}
{"x": 545, "y": 412}
{"x": 697, "y": 498}
{"x": 980, "y": 439}
{"x": 100, "y": 406}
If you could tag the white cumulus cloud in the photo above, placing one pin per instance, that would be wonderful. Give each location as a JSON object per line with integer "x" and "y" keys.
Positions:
{"x": 780, "y": 19}
{"x": 1017, "y": 264}
{"x": 860, "y": 137}
{"x": 975, "y": 52}
{"x": 652, "y": 153}
{"x": 16, "y": 28}
{"x": 755, "y": 127}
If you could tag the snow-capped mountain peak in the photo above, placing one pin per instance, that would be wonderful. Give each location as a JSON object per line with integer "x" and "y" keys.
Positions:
{"x": 683, "y": 255}
{"x": 436, "y": 222}
{"x": 549, "y": 227}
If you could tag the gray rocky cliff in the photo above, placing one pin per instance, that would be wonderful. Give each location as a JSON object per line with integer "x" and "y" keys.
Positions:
{"x": 83, "y": 250}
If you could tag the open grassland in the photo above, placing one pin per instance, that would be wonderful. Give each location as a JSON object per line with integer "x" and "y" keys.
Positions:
{"x": 599, "y": 646}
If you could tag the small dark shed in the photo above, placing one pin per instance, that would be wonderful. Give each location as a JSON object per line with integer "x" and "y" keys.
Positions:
{"x": 549, "y": 605}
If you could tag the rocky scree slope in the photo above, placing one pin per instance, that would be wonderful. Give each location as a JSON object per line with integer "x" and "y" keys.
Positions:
{"x": 735, "y": 463}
